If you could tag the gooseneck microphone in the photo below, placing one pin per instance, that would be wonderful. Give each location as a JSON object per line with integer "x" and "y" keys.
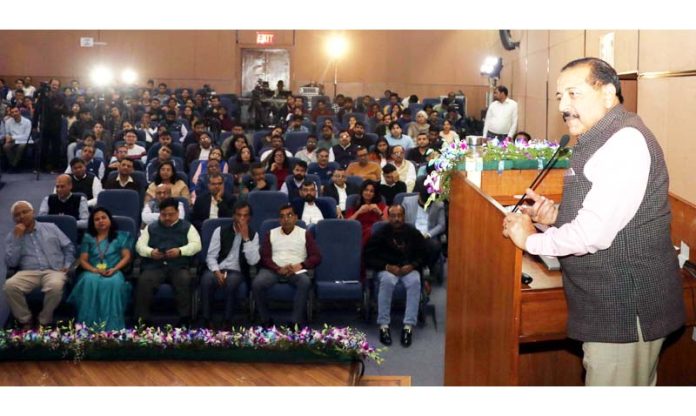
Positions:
{"x": 542, "y": 174}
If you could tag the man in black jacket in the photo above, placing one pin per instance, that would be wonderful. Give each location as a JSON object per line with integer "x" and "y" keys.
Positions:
{"x": 215, "y": 203}
{"x": 339, "y": 189}
{"x": 397, "y": 253}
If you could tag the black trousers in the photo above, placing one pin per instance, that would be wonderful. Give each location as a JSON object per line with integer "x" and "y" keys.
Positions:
{"x": 51, "y": 150}
{"x": 151, "y": 279}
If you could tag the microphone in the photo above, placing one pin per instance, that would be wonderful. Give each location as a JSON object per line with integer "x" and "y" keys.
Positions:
{"x": 561, "y": 145}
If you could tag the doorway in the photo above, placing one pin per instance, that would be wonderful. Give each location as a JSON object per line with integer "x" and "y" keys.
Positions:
{"x": 269, "y": 65}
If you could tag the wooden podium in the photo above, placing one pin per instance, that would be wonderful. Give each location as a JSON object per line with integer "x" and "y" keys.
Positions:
{"x": 500, "y": 333}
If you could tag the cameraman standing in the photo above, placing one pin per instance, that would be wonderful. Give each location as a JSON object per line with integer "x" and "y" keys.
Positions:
{"x": 48, "y": 119}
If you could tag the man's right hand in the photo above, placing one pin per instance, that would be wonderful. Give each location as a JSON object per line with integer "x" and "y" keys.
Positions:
{"x": 220, "y": 276}
{"x": 261, "y": 184}
{"x": 544, "y": 211}
{"x": 19, "y": 230}
{"x": 157, "y": 255}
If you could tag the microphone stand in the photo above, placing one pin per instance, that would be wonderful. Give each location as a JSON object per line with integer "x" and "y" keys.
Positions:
{"x": 540, "y": 177}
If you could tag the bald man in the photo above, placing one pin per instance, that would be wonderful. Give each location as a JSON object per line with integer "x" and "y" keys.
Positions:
{"x": 43, "y": 255}
{"x": 64, "y": 202}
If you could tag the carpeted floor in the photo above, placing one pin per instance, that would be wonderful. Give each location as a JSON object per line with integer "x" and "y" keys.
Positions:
{"x": 423, "y": 361}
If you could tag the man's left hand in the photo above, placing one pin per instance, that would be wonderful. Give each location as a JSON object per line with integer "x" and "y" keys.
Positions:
{"x": 517, "y": 227}
{"x": 172, "y": 253}
{"x": 406, "y": 269}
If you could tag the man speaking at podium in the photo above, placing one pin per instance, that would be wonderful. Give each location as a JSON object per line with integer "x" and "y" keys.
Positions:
{"x": 611, "y": 231}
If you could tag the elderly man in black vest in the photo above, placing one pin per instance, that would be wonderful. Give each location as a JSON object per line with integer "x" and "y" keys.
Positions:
{"x": 611, "y": 232}
{"x": 64, "y": 202}
{"x": 167, "y": 247}
{"x": 232, "y": 250}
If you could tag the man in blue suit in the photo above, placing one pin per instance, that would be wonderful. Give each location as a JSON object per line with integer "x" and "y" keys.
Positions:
{"x": 430, "y": 222}
{"x": 308, "y": 208}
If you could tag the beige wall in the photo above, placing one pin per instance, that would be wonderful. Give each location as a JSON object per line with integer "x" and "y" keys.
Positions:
{"x": 665, "y": 104}
{"x": 426, "y": 63}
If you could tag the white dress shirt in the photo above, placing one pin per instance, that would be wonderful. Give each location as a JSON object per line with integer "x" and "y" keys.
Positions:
{"x": 605, "y": 211}
{"x": 501, "y": 118}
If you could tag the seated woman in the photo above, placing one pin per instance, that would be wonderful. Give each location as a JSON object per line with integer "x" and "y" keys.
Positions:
{"x": 242, "y": 164}
{"x": 101, "y": 293}
{"x": 277, "y": 164}
{"x": 448, "y": 135}
{"x": 166, "y": 173}
{"x": 381, "y": 153}
{"x": 369, "y": 208}
{"x": 215, "y": 153}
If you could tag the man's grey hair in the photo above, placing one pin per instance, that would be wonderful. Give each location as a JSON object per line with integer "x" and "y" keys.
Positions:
{"x": 12, "y": 208}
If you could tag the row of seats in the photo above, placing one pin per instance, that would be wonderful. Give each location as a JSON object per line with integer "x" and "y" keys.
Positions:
{"x": 336, "y": 278}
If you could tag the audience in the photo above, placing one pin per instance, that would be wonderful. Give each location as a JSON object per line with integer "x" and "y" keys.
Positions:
{"x": 308, "y": 208}
{"x": 396, "y": 252}
{"x": 287, "y": 253}
{"x": 84, "y": 182}
{"x": 391, "y": 185}
{"x": 368, "y": 209}
{"x": 151, "y": 210}
{"x": 344, "y": 152}
{"x": 233, "y": 249}
{"x": 339, "y": 189}
{"x": 101, "y": 294}
{"x": 64, "y": 202}
{"x": 167, "y": 247}
{"x": 277, "y": 164}
{"x": 166, "y": 174}
{"x": 124, "y": 179}
{"x": 42, "y": 255}
{"x": 213, "y": 203}
{"x": 430, "y": 222}
{"x": 404, "y": 168}
{"x": 364, "y": 168}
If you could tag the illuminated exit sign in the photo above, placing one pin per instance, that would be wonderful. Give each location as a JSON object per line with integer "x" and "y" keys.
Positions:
{"x": 264, "y": 38}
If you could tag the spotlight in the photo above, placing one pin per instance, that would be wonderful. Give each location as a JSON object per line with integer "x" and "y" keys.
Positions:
{"x": 102, "y": 76}
{"x": 492, "y": 66}
{"x": 128, "y": 76}
{"x": 336, "y": 46}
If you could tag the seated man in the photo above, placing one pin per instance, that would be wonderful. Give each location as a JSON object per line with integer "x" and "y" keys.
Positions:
{"x": 64, "y": 202}
{"x": 405, "y": 169}
{"x": 292, "y": 185}
{"x": 151, "y": 211}
{"x": 165, "y": 139}
{"x": 397, "y": 252}
{"x": 215, "y": 203}
{"x": 135, "y": 151}
{"x": 256, "y": 180}
{"x": 164, "y": 154}
{"x": 167, "y": 247}
{"x": 287, "y": 252}
{"x": 391, "y": 185}
{"x": 14, "y": 137}
{"x": 309, "y": 152}
{"x": 200, "y": 150}
{"x": 84, "y": 182}
{"x": 339, "y": 190}
{"x": 277, "y": 142}
{"x": 212, "y": 168}
{"x": 344, "y": 152}
{"x": 358, "y": 138}
{"x": 364, "y": 167}
{"x": 430, "y": 223}
{"x": 124, "y": 179}
{"x": 43, "y": 255}
{"x": 308, "y": 208}
{"x": 93, "y": 165}
{"x": 232, "y": 250}
{"x": 120, "y": 153}
{"x": 323, "y": 168}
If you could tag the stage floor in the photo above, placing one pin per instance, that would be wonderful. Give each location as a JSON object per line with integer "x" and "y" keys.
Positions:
{"x": 176, "y": 373}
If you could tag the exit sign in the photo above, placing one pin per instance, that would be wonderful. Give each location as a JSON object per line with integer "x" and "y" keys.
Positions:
{"x": 264, "y": 38}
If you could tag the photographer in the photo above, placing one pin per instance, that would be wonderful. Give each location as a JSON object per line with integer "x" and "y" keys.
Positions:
{"x": 47, "y": 119}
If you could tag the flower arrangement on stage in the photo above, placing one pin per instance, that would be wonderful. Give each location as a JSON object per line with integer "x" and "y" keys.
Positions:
{"x": 76, "y": 340}
{"x": 495, "y": 154}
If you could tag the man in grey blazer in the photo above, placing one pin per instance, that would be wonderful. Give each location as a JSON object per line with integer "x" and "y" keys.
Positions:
{"x": 430, "y": 222}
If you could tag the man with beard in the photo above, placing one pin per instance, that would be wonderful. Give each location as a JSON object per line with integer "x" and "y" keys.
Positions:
{"x": 308, "y": 208}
